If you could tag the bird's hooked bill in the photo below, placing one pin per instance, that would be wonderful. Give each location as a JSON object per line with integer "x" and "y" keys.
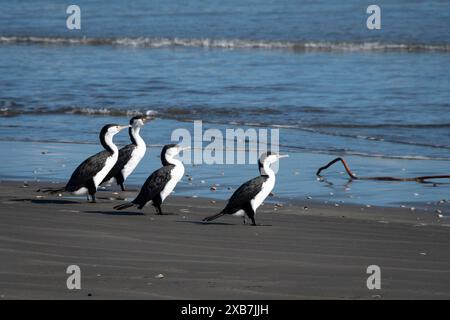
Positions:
{"x": 124, "y": 127}
{"x": 148, "y": 118}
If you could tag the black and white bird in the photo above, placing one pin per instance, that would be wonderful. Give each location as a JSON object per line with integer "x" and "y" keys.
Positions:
{"x": 160, "y": 184}
{"x": 249, "y": 196}
{"x": 130, "y": 155}
{"x": 90, "y": 173}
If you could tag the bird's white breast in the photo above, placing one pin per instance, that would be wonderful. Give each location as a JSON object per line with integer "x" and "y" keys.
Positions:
{"x": 239, "y": 213}
{"x": 109, "y": 164}
{"x": 176, "y": 174}
{"x": 81, "y": 191}
{"x": 136, "y": 157}
{"x": 266, "y": 189}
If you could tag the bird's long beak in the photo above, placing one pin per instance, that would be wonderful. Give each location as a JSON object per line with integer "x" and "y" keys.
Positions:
{"x": 124, "y": 127}
{"x": 185, "y": 148}
{"x": 148, "y": 118}
{"x": 283, "y": 156}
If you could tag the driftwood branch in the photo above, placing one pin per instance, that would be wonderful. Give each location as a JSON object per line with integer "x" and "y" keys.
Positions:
{"x": 420, "y": 179}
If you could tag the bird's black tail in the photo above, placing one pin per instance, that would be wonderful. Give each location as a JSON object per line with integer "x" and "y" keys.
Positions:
{"x": 51, "y": 190}
{"x": 213, "y": 217}
{"x": 124, "y": 206}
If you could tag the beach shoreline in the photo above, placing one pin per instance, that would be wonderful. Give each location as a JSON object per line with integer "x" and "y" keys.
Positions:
{"x": 296, "y": 182}
{"x": 318, "y": 253}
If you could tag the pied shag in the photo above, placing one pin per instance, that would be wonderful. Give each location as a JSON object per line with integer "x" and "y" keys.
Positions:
{"x": 130, "y": 155}
{"x": 249, "y": 196}
{"x": 90, "y": 173}
{"x": 160, "y": 184}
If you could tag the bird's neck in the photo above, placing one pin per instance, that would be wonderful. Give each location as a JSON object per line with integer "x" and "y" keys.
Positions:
{"x": 171, "y": 160}
{"x": 108, "y": 144}
{"x": 266, "y": 170}
{"x": 135, "y": 136}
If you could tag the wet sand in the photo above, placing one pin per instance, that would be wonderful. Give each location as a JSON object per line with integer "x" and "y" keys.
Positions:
{"x": 321, "y": 252}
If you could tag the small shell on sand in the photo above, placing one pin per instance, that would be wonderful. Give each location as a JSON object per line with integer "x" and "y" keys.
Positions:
{"x": 159, "y": 276}
{"x": 420, "y": 225}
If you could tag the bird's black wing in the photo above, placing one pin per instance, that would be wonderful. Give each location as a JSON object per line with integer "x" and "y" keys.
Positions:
{"x": 124, "y": 156}
{"x": 244, "y": 194}
{"x": 154, "y": 184}
{"x": 87, "y": 170}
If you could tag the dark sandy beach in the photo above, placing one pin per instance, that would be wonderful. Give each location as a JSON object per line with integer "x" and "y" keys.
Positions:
{"x": 322, "y": 252}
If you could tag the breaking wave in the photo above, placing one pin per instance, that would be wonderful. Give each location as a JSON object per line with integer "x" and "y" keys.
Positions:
{"x": 178, "y": 113}
{"x": 297, "y": 46}
{"x": 227, "y": 116}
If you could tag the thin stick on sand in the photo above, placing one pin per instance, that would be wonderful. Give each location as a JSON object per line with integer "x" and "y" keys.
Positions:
{"x": 420, "y": 179}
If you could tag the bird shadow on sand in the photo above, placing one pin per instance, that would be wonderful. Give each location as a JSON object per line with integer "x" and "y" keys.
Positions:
{"x": 207, "y": 223}
{"x": 224, "y": 223}
{"x": 130, "y": 213}
{"x": 45, "y": 201}
{"x": 117, "y": 213}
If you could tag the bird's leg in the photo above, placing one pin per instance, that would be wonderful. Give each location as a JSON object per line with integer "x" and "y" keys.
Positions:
{"x": 92, "y": 188}
{"x": 251, "y": 214}
{"x": 120, "y": 180}
{"x": 87, "y": 197}
{"x": 158, "y": 209}
{"x": 157, "y": 204}
{"x": 243, "y": 218}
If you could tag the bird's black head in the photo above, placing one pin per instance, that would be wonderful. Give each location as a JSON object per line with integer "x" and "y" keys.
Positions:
{"x": 165, "y": 150}
{"x": 141, "y": 119}
{"x": 262, "y": 158}
{"x": 136, "y": 123}
{"x": 268, "y": 158}
{"x": 136, "y": 119}
{"x": 168, "y": 151}
{"x": 109, "y": 130}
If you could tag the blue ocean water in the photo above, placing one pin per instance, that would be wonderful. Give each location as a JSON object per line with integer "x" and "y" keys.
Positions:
{"x": 309, "y": 68}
